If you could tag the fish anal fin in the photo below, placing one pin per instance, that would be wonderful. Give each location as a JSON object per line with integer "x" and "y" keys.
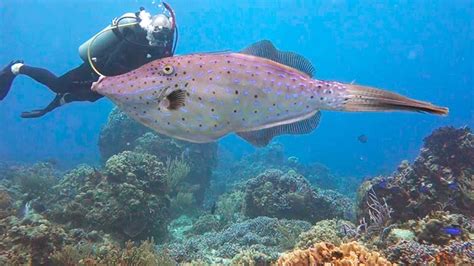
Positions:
{"x": 266, "y": 49}
{"x": 261, "y": 138}
{"x": 176, "y": 99}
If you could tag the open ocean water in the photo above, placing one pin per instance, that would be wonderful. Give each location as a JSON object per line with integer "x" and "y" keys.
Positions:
{"x": 228, "y": 192}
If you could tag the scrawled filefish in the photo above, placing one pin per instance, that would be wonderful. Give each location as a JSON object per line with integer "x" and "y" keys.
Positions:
{"x": 258, "y": 93}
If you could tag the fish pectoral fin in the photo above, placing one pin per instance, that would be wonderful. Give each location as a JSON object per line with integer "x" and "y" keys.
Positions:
{"x": 176, "y": 99}
{"x": 262, "y": 137}
{"x": 266, "y": 49}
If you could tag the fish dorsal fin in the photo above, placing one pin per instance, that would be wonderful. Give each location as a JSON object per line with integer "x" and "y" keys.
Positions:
{"x": 262, "y": 137}
{"x": 267, "y": 50}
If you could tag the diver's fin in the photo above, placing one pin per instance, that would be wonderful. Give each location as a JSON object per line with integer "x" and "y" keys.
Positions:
{"x": 176, "y": 99}
{"x": 266, "y": 50}
{"x": 6, "y": 79}
{"x": 261, "y": 138}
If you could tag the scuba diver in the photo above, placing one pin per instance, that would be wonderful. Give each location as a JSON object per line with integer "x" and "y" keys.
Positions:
{"x": 131, "y": 41}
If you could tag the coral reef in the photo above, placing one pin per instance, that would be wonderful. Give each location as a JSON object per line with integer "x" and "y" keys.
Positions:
{"x": 151, "y": 188}
{"x": 328, "y": 231}
{"x": 124, "y": 134}
{"x": 289, "y": 195}
{"x": 414, "y": 253}
{"x": 321, "y": 253}
{"x": 6, "y": 203}
{"x": 440, "y": 228}
{"x": 108, "y": 254}
{"x": 441, "y": 178}
{"x": 273, "y": 157}
{"x": 30, "y": 240}
{"x": 36, "y": 181}
{"x": 118, "y": 134}
{"x": 262, "y": 234}
{"x": 128, "y": 200}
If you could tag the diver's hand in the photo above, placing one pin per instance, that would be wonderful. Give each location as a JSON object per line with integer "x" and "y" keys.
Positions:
{"x": 33, "y": 114}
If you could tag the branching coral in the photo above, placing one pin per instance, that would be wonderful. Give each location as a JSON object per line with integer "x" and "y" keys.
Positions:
{"x": 322, "y": 253}
{"x": 263, "y": 234}
{"x": 131, "y": 255}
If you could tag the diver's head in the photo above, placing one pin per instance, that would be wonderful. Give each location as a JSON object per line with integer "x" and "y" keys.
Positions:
{"x": 162, "y": 31}
{"x": 159, "y": 29}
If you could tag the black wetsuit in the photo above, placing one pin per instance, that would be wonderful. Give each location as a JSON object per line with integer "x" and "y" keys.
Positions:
{"x": 75, "y": 85}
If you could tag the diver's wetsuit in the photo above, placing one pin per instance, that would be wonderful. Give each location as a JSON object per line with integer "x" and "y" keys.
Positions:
{"x": 128, "y": 54}
{"x": 76, "y": 84}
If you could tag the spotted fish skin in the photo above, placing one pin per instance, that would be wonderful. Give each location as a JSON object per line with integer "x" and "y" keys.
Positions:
{"x": 202, "y": 97}
{"x": 223, "y": 93}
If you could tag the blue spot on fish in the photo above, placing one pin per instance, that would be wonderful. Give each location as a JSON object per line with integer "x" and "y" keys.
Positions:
{"x": 382, "y": 184}
{"x": 453, "y": 231}
{"x": 423, "y": 189}
{"x": 453, "y": 185}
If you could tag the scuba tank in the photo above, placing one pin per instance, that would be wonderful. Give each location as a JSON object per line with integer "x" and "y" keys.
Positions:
{"x": 109, "y": 36}
{"x": 156, "y": 34}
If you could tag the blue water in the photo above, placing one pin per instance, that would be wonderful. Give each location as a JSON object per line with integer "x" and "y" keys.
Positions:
{"x": 423, "y": 49}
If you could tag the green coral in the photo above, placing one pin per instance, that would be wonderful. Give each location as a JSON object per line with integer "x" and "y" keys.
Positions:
{"x": 130, "y": 165}
{"x": 176, "y": 170}
{"x": 323, "y": 231}
{"x": 251, "y": 257}
{"x": 229, "y": 205}
{"x": 35, "y": 181}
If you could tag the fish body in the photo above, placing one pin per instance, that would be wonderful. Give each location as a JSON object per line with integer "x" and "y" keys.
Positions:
{"x": 202, "y": 97}
{"x": 223, "y": 93}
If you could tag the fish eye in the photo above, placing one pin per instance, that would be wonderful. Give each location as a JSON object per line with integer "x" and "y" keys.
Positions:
{"x": 168, "y": 69}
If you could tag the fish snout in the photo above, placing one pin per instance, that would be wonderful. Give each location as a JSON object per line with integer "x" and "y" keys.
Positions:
{"x": 96, "y": 86}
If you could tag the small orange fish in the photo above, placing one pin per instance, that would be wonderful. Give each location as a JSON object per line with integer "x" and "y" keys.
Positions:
{"x": 258, "y": 93}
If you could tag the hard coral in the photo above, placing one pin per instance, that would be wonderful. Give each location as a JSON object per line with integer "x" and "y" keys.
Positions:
{"x": 30, "y": 241}
{"x": 323, "y": 231}
{"x": 128, "y": 201}
{"x": 124, "y": 134}
{"x": 288, "y": 195}
{"x": 322, "y": 253}
{"x": 441, "y": 178}
{"x": 6, "y": 203}
{"x": 263, "y": 234}
{"x": 414, "y": 253}
{"x": 432, "y": 228}
{"x": 131, "y": 255}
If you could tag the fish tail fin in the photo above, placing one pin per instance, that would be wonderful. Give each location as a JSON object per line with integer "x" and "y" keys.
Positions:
{"x": 367, "y": 99}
